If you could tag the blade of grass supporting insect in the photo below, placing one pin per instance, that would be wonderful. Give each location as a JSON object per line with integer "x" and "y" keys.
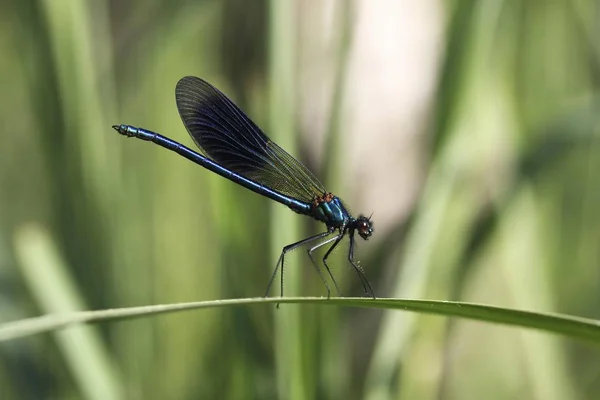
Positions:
{"x": 282, "y": 53}
{"x": 49, "y": 281}
{"x": 577, "y": 328}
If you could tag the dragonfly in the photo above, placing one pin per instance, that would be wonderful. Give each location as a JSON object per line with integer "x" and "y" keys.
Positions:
{"x": 235, "y": 148}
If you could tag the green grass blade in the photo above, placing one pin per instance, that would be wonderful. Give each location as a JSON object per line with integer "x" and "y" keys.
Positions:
{"x": 584, "y": 329}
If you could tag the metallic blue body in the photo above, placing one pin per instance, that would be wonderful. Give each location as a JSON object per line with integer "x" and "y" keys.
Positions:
{"x": 327, "y": 208}
{"x": 236, "y": 149}
{"x": 298, "y": 206}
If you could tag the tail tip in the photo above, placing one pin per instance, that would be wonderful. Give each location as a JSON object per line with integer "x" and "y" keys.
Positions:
{"x": 122, "y": 129}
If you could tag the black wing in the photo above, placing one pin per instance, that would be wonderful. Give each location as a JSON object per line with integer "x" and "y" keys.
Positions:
{"x": 227, "y": 136}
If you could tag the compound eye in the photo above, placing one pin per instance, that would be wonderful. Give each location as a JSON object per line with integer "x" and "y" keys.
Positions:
{"x": 364, "y": 227}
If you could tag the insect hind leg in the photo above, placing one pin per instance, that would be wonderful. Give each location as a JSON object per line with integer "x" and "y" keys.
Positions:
{"x": 291, "y": 247}
{"x": 310, "y": 251}
{"x": 337, "y": 241}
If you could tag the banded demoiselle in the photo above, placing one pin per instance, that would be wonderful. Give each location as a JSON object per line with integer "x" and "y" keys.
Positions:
{"x": 235, "y": 148}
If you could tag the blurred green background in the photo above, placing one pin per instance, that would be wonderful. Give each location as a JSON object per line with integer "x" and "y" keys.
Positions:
{"x": 468, "y": 127}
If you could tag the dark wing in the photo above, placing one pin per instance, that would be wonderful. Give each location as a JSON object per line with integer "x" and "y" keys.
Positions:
{"x": 227, "y": 136}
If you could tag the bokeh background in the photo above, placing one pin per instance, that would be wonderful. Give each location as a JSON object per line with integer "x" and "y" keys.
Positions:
{"x": 469, "y": 128}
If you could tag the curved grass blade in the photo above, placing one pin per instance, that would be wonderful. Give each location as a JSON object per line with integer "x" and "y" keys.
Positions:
{"x": 573, "y": 327}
